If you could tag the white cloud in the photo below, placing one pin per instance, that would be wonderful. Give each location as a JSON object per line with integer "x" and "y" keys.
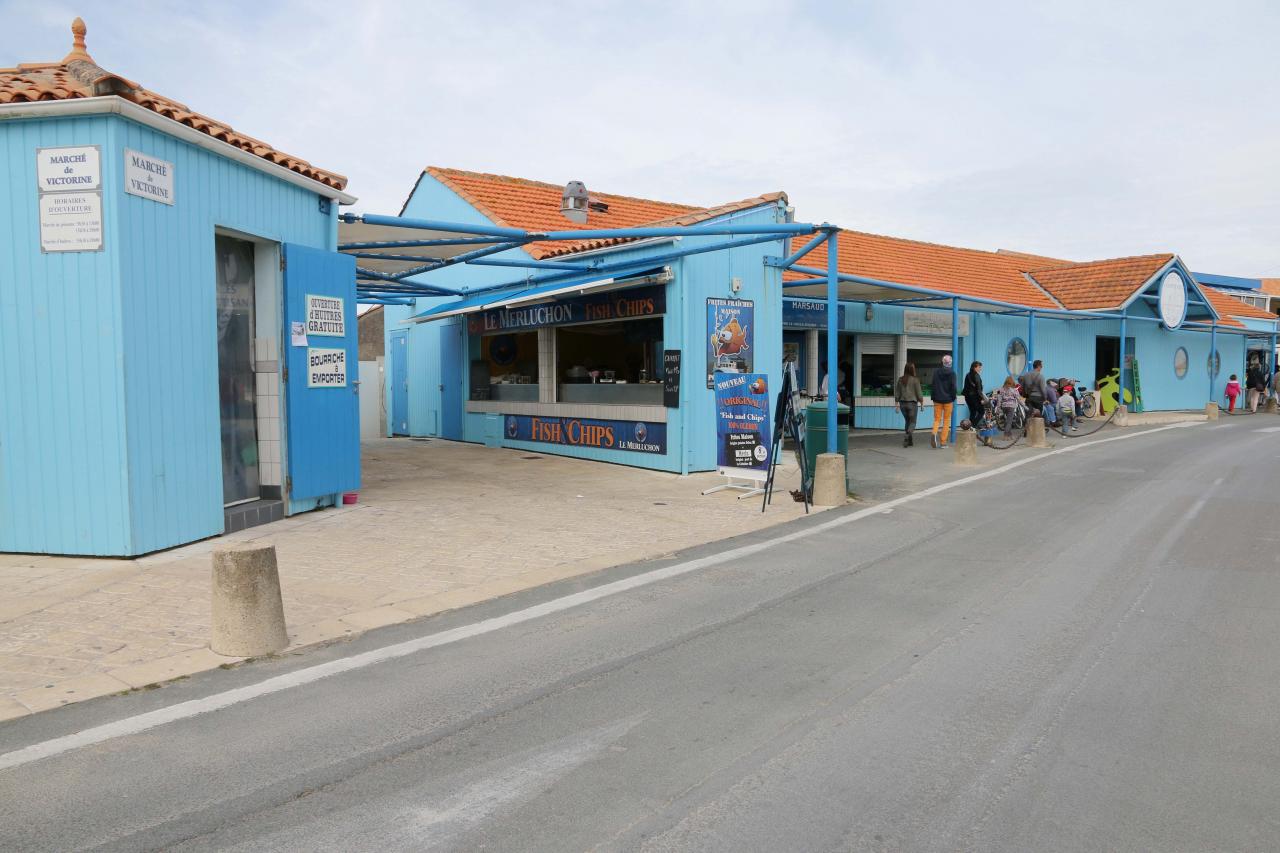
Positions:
{"x": 1085, "y": 129}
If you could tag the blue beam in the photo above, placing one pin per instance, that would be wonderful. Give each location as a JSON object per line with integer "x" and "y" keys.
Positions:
{"x": 806, "y": 249}
{"x": 1031, "y": 336}
{"x": 619, "y": 266}
{"x": 777, "y": 230}
{"x": 1124, "y": 317}
{"x": 434, "y": 225}
{"x": 1213, "y": 351}
{"x": 414, "y": 244}
{"x": 804, "y": 281}
{"x": 537, "y": 265}
{"x": 833, "y": 337}
{"x": 955, "y": 359}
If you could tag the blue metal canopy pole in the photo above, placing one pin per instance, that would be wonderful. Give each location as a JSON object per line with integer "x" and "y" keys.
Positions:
{"x": 833, "y": 334}
{"x": 955, "y": 359}
{"x": 1124, "y": 317}
{"x": 1213, "y": 351}
{"x": 1031, "y": 338}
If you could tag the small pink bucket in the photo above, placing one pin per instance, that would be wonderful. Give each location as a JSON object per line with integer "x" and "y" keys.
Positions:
{"x": 350, "y": 498}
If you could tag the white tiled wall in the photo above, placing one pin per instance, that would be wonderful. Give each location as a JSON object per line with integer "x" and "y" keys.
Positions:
{"x": 268, "y": 392}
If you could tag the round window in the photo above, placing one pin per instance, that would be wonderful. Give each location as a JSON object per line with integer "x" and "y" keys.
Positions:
{"x": 1016, "y": 357}
{"x": 1213, "y": 363}
{"x": 1180, "y": 362}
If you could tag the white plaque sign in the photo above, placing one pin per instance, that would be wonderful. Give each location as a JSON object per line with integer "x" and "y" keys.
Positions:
{"x": 326, "y": 316}
{"x": 62, "y": 169}
{"x": 1173, "y": 300}
{"x": 71, "y": 222}
{"x": 147, "y": 177}
{"x": 326, "y": 368}
{"x": 915, "y": 322}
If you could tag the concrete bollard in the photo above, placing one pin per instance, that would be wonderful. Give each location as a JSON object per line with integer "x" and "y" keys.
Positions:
{"x": 966, "y": 452}
{"x": 829, "y": 487}
{"x": 1211, "y": 411}
{"x": 1270, "y": 406}
{"x": 1035, "y": 433}
{"x": 248, "y": 613}
{"x": 1122, "y": 416}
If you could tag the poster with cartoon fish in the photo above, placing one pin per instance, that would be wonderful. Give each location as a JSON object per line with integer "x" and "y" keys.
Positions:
{"x": 730, "y": 337}
{"x": 743, "y": 415}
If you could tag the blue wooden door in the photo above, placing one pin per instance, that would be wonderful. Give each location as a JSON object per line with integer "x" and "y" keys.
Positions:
{"x": 399, "y": 383}
{"x": 451, "y": 381}
{"x": 322, "y": 408}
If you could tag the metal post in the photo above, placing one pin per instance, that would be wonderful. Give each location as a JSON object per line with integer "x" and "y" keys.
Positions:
{"x": 1031, "y": 338}
{"x": 1124, "y": 316}
{"x": 955, "y": 358}
{"x": 1213, "y": 349}
{"x": 833, "y": 336}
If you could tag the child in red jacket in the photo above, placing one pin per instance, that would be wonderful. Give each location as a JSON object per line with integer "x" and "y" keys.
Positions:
{"x": 1233, "y": 391}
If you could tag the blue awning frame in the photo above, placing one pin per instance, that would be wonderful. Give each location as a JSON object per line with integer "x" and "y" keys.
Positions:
{"x": 396, "y": 272}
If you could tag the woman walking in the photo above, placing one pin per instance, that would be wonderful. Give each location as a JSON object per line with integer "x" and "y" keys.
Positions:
{"x": 908, "y": 395}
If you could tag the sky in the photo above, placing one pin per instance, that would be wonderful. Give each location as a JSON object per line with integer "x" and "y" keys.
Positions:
{"x": 1078, "y": 129}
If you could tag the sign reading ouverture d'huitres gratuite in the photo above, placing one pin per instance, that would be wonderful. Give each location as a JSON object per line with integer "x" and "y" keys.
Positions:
{"x": 326, "y": 316}
{"x": 326, "y": 368}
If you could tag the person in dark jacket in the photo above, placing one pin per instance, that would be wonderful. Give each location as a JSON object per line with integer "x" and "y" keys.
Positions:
{"x": 973, "y": 393}
{"x": 943, "y": 391}
{"x": 1255, "y": 379}
{"x": 1034, "y": 388}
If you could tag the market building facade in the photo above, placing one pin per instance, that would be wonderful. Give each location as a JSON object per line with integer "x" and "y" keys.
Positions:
{"x": 152, "y": 262}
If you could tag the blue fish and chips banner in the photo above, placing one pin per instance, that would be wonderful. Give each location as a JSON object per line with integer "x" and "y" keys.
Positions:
{"x": 730, "y": 333}
{"x": 742, "y": 425}
{"x": 635, "y": 436}
{"x": 593, "y": 308}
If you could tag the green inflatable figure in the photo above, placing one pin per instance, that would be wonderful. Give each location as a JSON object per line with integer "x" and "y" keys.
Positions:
{"x": 1109, "y": 392}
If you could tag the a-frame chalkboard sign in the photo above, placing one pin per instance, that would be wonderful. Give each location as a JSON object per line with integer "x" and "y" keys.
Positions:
{"x": 788, "y": 420}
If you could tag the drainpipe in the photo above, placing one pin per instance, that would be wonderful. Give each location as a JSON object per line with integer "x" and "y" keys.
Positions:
{"x": 1124, "y": 316}
{"x": 1213, "y": 349}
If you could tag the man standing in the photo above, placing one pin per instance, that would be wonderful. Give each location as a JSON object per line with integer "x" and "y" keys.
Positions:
{"x": 1034, "y": 388}
{"x": 943, "y": 391}
{"x": 1255, "y": 379}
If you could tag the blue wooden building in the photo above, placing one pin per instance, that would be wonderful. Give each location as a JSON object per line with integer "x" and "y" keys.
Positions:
{"x": 153, "y": 262}
{"x": 487, "y": 351}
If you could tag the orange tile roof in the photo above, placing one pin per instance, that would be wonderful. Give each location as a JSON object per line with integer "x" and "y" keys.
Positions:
{"x": 963, "y": 272}
{"x": 1271, "y": 286}
{"x": 1099, "y": 284}
{"x": 77, "y": 76}
{"x": 535, "y": 206}
{"x": 1225, "y": 303}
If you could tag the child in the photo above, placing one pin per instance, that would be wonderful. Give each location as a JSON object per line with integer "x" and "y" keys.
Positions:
{"x": 1051, "y": 403}
{"x": 1233, "y": 391}
{"x": 1008, "y": 399}
{"x": 1067, "y": 408}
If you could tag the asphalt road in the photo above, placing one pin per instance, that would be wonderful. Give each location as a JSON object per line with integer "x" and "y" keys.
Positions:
{"x": 1078, "y": 654}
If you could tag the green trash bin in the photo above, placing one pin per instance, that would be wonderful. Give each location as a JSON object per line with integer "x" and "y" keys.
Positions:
{"x": 815, "y": 435}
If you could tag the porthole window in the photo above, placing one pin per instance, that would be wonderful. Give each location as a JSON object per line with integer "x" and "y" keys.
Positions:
{"x": 1016, "y": 357}
{"x": 1213, "y": 364}
{"x": 1180, "y": 362}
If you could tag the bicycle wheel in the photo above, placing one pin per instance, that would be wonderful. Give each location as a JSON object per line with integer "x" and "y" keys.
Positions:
{"x": 1089, "y": 407}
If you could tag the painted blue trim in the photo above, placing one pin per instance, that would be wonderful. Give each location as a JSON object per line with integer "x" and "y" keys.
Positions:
{"x": 1231, "y": 281}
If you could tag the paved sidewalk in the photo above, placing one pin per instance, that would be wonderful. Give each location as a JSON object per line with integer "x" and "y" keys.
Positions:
{"x": 439, "y": 525}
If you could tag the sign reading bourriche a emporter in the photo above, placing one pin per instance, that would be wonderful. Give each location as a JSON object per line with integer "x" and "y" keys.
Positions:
{"x": 326, "y": 368}
{"x": 148, "y": 177}
{"x": 326, "y": 316}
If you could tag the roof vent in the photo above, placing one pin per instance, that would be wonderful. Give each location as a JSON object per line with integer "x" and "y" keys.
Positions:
{"x": 574, "y": 202}
{"x": 598, "y": 206}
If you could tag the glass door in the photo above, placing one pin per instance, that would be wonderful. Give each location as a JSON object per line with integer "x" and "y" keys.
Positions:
{"x": 236, "y": 385}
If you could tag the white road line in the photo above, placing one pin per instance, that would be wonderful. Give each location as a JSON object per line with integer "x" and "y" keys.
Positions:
{"x": 307, "y": 675}
{"x": 1268, "y": 429}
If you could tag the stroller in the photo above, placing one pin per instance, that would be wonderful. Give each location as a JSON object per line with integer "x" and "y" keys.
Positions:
{"x": 986, "y": 424}
{"x": 997, "y": 416}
